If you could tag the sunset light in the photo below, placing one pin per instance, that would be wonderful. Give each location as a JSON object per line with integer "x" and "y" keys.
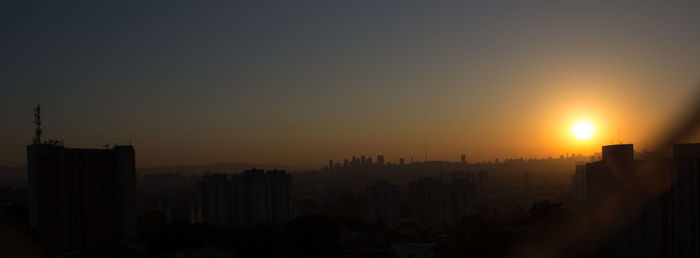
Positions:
{"x": 583, "y": 130}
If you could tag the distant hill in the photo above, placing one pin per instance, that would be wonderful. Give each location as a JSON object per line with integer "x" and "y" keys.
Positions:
{"x": 215, "y": 168}
{"x": 13, "y": 176}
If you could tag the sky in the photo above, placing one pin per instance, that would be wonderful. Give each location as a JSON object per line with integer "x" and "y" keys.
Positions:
{"x": 301, "y": 82}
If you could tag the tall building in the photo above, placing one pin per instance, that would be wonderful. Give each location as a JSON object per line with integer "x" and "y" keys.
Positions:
{"x": 641, "y": 234}
{"x": 578, "y": 184}
{"x": 221, "y": 200}
{"x": 380, "y": 160}
{"x": 603, "y": 177}
{"x": 82, "y": 199}
{"x": 401, "y": 161}
{"x": 683, "y": 202}
{"x": 482, "y": 180}
{"x": 434, "y": 203}
{"x": 383, "y": 203}
{"x": 463, "y": 159}
{"x": 425, "y": 199}
{"x": 244, "y": 199}
{"x": 279, "y": 190}
{"x": 255, "y": 194}
{"x": 462, "y": 199}
{"x": 215, "y": 199}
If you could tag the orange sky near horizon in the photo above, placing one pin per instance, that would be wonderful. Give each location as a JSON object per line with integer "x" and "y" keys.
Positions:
{"x": 299, "y": 83}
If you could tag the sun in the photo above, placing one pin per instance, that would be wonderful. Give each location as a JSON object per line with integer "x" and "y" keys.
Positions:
{"x": 583, "y": 130}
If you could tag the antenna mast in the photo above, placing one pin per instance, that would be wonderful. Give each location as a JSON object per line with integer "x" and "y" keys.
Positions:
{"x": 37, "y": 123}
{"x": 618, "y": 135}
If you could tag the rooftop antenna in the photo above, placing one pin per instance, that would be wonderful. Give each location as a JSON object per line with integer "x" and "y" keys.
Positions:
{"x": 618, "y": 135}
{"x": 37, "y": 124}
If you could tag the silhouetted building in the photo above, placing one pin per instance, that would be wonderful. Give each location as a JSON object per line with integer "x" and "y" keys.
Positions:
{"x": 603, "y": 177}
{"x": 683, "y": 205}
{"x": 401, "y": 161}
{"x": 82, "y": 199}
{"x": 383, "y": 203}
{"x": 462, "y": 199}
{"x": 221, "y": 200}
{"x": 463, "y": 159}
{"x": 426, "y": 202}
{"x": 642, "y": 236}
{"x": 436, "y": 203}
{"x": 578, "y": 184}
{"x": 279, "y": 199}
{"x": 243, "y": 199}
{"x": 482, "y": 180}
{"x": 380, "y": 160}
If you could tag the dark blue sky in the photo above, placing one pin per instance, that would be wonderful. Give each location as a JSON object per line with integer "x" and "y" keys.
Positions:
{"x": 191, "y": 82}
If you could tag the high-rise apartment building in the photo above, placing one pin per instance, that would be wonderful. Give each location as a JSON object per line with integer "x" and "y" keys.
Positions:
{"x": 82, "y": 199}
{"x": 244, "y": 199}
{"x": 383, "y": 203}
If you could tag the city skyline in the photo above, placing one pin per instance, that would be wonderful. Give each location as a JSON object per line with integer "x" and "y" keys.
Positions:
{"x": 300, "y": 83}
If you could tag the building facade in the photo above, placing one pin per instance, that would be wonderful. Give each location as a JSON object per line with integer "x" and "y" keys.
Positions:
{"x": 383, "y": 203}
{"x": 82, "y": 199}
{"x": 244, "y": 199}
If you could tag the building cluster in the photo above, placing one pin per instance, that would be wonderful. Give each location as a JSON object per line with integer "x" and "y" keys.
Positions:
{"x": 364, "y": 161}
{"x": 243, "y": 199}
{"x": 668, "y": 223}
{"x": 435, "y": 203}
{"x": 432, "y": 203}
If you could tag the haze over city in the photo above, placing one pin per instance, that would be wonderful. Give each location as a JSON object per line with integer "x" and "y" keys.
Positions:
{"x": 336, "y": 129}
{"x": 298, "y": 83}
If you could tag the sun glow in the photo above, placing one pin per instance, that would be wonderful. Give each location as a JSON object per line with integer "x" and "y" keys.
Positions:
{"x": 583, "y": 130}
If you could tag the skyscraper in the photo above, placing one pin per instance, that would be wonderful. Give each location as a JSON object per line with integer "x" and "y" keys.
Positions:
{"x": 380, "y": 160}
